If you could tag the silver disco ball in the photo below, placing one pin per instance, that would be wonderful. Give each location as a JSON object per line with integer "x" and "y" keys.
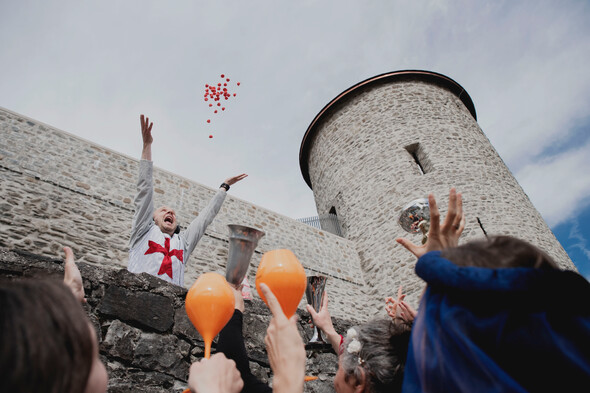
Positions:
{"x": 415, "y": 215}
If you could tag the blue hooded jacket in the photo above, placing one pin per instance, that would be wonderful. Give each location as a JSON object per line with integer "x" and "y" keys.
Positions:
{"x": 499, "y": 330}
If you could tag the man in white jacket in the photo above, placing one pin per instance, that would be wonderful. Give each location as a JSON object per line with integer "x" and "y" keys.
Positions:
{"x": 157, "y": 245}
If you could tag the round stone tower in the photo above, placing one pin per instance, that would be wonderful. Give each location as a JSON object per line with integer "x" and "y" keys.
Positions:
{"x": 394, "y": 138}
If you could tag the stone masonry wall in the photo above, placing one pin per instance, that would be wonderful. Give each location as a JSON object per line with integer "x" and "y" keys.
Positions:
{"x": 57, "y": 189}
{"x": 359, "y": 164}
{"x": 146, "y": 340}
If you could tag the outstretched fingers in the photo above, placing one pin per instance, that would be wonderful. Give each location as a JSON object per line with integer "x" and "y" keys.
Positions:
{"x": 434, "y": 215}
{"x": 234, "y": 179}
{"x": 460, "y": 218}
{"x": 451, "y": 212}
{"x": 146, "y": 129}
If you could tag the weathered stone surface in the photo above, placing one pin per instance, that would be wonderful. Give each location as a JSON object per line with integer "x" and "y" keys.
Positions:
{"x": 143, "y": 308}
{"x": 165, "y": 353}
{"x": 183, "y": 326}
{"x": 161, "y": 352}
{"x": 131, "y": 380}
{"x": 121, "y": 340}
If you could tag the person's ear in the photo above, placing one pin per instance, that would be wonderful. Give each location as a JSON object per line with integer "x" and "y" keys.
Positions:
{"x": 361, "y": 383}
{"x": 177, "y": 230}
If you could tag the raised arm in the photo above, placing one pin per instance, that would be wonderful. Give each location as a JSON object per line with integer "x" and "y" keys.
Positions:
{"x": 144, "y": 199}
{"x": 197, "y": 227}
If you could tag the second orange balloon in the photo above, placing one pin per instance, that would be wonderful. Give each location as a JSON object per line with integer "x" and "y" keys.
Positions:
{"x": 284, "y": 275}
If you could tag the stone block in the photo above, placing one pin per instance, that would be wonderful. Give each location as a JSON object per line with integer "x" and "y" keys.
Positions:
{"x": 160, "y": 352}
{"x": 184, "y": 327}
{"x": 142, "y": 308}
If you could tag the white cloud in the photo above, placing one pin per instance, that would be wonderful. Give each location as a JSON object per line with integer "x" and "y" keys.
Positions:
{"x": 90, "y": 68}
{"x": 581, "y": 243}
{"x": 559, "y": 186}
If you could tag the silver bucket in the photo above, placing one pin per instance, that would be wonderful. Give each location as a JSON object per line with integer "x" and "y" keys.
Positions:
{"x": 242, "y": 243}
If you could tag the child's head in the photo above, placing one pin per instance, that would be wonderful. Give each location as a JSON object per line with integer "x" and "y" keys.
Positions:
{"x": 48, "y": 343}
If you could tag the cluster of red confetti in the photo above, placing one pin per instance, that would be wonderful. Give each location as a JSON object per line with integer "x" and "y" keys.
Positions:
{"x": 215, "y": 93}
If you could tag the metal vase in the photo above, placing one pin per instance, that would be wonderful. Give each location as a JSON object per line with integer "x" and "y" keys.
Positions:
{"x": 314, "y": 293}
{"x": 242, "y": 243}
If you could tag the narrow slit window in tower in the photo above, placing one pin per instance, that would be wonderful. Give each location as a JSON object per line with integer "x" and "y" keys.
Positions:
{"x": 419, "y": 157}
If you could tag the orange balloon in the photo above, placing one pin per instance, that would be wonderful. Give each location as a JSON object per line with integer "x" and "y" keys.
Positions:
{"x": 284, "y": 275}
{"x": 210, "y": 305}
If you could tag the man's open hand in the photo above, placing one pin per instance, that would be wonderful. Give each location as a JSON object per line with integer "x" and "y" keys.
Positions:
{"x": 235, "y": 179}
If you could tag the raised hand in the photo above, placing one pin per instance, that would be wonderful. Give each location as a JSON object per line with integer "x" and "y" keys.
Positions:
{"x": 233, "y": 180}
{"x": 284, "y": 347}
{"x": 72, "y": 276}
{"x": 397, "y": 308}
{"x": 146, "y": 135}
{"x": 440, "y": 237}
{"x": 407, "y": 313}
{"x": 146, "y": 130}
{"x": 323, "y": 320}
{"x": 391, "y": 304}
{"x": 217, "y": 374}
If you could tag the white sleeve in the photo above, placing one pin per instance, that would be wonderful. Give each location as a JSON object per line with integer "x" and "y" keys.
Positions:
{"x": 144, "y": 203}
{"x": 197, "y": 227}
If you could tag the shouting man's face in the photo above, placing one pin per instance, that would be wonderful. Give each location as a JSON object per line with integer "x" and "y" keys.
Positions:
{"x": 165, "y": 219}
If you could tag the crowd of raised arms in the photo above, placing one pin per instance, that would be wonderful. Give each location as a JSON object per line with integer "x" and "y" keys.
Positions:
{"x": 496, "y": 315}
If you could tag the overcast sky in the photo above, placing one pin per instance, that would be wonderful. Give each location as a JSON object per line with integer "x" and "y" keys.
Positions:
{"x": 91, "y": 67}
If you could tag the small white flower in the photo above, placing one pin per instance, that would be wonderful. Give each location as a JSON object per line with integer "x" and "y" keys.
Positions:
{"x": 352, "y": 333}
{"x": 354, "y": 346}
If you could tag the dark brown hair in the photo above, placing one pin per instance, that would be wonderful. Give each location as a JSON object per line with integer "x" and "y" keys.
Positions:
{"x": 46, "y": 338}
{"x": 498, "y": 252}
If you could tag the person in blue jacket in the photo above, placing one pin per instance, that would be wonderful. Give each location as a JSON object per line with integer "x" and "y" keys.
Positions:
{"x": 497, "y": 315}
